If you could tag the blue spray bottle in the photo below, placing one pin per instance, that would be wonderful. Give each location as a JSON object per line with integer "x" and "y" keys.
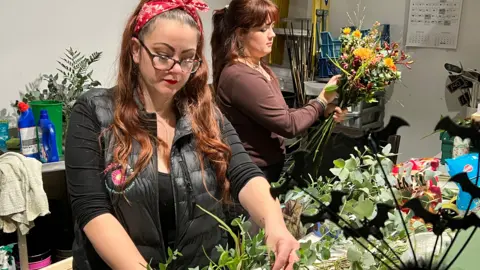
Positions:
{"x": 27, "y": 131}
{"x": 46, "y": 136}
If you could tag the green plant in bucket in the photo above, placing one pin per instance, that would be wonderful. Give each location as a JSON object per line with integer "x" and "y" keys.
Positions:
{"x": 76, "y": 79}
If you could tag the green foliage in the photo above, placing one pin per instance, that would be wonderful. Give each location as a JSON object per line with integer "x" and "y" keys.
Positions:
{"x": 172, "y": 255}
{"x": 76, "y": 78}
{"x": 251, "y": 252}
{"x": 362, "y": 179}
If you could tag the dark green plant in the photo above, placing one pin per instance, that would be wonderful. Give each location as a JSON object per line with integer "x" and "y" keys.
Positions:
{"x": 74, "y": 78}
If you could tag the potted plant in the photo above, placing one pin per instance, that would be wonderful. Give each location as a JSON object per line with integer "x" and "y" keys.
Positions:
{"x": 73, "y": 78}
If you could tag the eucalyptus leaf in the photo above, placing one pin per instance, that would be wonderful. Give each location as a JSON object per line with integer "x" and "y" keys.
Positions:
{"x": 326, "y": 198}
{"x": 246, "y": 225}
{"x": 353, "y": 255}
{"x": 366, "y": 190}
{"x": 379, "y": 179}
{"x": 366, "y": 175}
{"x": 344, "y": 173}
{"x": 356, "y": 175}
{"x": 385, "y": 196}
{"x": 368, "y": 260}
{"x": 386, "y": 150}
{"x": 339, "y": 163}
{"x": 416, "y": 224}
{"x": 351, "y": 164}
{"x": 364, "y": 209}
{"x": 336, "y": 171}
{"x": 387, "y": 165}
{"x": 369, "y": 161}
{"x": 310, "y": 211}
{"x": 325, "y": 254}
{"x": 391, "y": 179}
{"x": 306, "y": 245}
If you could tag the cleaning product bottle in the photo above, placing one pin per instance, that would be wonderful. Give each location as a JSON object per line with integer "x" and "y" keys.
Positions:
{"x": 476, "y": 117}
{"x": 27, "y": 131}
{"x": 47, "y": 139}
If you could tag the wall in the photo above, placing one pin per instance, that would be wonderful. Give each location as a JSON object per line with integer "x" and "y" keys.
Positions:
{"x": 421, "y": 97}
{"x": 36, "y": 33}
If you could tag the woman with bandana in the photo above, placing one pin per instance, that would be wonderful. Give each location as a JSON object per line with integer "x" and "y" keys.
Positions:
{"x": 141, "y": 156}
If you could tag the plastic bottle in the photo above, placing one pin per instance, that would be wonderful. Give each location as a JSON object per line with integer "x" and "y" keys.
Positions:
{"x": 27, "y": 131}
{"x": 47, "y": 139}
{"x": 476, "y": 117}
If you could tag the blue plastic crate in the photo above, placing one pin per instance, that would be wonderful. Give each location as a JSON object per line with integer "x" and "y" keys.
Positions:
{"x": 329, "y": 47}
{"x": 326, "y": 69}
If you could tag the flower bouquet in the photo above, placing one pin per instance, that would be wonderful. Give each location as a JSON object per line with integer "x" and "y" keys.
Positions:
{"x": 366, "y": 67}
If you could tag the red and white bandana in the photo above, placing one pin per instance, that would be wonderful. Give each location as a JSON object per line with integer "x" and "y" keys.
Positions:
{"x": 155, "y": 7}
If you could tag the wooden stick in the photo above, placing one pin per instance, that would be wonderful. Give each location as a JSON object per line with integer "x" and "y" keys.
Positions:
{"x": 22, "y": 250}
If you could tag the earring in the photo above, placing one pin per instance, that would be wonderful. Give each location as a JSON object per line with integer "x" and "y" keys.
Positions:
{"x": 240, "y": 49}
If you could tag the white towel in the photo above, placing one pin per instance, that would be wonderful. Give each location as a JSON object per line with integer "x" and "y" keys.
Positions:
{"x": 22, "y": 198}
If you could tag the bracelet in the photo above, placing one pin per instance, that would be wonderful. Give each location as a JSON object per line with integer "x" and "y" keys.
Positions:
{"x": 322, "y": 102}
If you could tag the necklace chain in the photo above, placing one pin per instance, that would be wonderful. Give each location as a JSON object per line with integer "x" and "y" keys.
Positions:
{"x": 257, "y": 67}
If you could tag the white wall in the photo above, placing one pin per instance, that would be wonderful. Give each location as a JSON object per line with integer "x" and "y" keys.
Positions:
{"x": 421, "y": 98}
{"x": 34, "y": 34}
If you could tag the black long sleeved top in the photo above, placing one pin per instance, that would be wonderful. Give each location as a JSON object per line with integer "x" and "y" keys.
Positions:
{"x": 84, "y": 161}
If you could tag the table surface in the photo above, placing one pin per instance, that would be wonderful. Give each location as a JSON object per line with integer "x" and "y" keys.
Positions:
{"x": 53, "y": 167}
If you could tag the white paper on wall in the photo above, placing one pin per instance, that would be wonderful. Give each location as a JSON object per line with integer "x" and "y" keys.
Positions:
{"x": 434, "y": 23}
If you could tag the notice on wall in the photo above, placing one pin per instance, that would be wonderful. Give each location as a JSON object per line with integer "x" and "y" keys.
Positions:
{"x": 434, "y": 23}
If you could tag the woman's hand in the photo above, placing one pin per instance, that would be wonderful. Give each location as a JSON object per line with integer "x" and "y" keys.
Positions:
{"x": 328, "y": 97}
{"x": 283, "y": 244}
{"x": 255, "y": 196}
{"x": 339, "y": 114}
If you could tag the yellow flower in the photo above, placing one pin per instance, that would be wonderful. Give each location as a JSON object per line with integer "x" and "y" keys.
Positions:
{"x": 357, "y": 33}
{"x": 389, "y": 62}
{"x": 347, "y": 31}
{"x": 363, "y": 53}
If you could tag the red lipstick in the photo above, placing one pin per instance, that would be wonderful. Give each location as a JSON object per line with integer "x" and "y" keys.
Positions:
{"x": 171, "y": 81}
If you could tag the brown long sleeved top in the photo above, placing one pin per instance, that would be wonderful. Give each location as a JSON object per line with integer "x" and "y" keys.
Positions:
{"x": 256, "y": 108}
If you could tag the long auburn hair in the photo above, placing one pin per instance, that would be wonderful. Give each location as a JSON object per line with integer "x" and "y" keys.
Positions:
{"x": 240, "y": 14}
{"x": 195, "y": 101}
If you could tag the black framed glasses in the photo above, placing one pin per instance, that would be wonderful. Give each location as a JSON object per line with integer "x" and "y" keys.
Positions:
{"x": 166, "y": 63}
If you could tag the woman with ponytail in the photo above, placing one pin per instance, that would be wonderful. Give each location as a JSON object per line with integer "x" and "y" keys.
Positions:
{"x": 248, "y": 93}
{"x": 142, "y": 155}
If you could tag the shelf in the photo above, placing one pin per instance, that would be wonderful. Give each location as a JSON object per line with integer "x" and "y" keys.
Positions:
{"x": 311, "y": 88}
{"x": 314, "y": 88}
{"x": 53, "y": 167}
{"x": 297, "y": 20}
{"x": 296, "y": 32}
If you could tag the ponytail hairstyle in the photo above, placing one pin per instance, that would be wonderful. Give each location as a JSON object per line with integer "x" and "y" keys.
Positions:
{"x": 239, "y": 14}
{"x": 195, "y": 101}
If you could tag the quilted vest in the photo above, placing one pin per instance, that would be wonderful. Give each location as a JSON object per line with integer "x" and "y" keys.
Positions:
{"x": 137, "y": 208}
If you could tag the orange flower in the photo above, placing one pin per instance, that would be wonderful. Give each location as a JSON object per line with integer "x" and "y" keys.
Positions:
{"x": 357, "y": 33}
{"x": 389, "y": 62}
{"x": 363, "y": 53}
{"x": 347, "y": 31}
